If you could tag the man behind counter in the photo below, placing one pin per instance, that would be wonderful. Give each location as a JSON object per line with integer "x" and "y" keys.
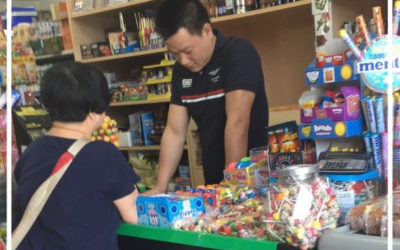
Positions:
{"x": 218, "y": 81}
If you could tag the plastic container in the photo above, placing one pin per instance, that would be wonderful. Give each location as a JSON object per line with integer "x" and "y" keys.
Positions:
{"x": 302, "y": 206}
{"x": 352, "y": 190}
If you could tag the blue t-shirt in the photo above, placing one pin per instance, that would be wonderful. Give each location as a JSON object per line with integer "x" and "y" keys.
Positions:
{"x": 80, "y": 213}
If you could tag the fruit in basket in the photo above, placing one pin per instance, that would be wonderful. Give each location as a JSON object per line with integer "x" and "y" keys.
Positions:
{"x": 107, "y": 132}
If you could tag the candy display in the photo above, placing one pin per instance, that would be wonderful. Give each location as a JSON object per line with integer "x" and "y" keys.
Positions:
{"x": 352, "y": 190}
{"x": 339, "y": 105}
{"x": 247, "y": 172}
{"x": 283, "y": 138}
{"x": 284, "y": 146}
{"x": 233, "y": 210}
{"x": 302, "y": 206}
{"x": 108, "y": 132}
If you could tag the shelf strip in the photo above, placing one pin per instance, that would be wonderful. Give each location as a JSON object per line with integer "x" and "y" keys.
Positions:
{"x": 125, "y": 55}
{"x": 80, "y": 14}
{"x": 261, "y": 11}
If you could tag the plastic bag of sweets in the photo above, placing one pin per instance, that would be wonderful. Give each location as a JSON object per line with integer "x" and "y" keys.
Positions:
{"x": 367, "y": 216}
{"x": 396, "y": 217}
{"x": 304, "y": 203}
{"x": 351, "y": 190}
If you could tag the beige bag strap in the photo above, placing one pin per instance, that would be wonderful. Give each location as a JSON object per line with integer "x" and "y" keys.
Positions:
{"x": 41, "y": 195}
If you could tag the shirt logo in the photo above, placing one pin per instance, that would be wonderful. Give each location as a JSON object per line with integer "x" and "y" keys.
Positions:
{"x": 186, "y": 83}
{"x": 214, "y": 72}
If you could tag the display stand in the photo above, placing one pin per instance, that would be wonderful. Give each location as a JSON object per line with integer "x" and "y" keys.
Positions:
{"x": 145, "y": 237}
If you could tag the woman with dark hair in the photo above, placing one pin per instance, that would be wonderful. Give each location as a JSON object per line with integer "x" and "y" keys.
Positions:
{"x": 97, "y": 190}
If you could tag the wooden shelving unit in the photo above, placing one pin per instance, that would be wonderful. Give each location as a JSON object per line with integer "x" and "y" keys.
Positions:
{"x": 271, "y": 30}
{"x": 283, "y": 36}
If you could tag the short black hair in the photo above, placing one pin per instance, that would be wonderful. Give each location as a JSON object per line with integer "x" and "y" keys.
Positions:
{"x": 71, "y": 90}
{"x": 175, "y": 14}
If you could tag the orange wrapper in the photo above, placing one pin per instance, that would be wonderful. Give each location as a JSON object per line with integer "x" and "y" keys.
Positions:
{"x": 378, "y": 20}
{"x": 363, "y": 29}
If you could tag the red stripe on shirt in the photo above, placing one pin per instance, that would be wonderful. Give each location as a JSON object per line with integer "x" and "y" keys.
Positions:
{"x": 190, "y": 97}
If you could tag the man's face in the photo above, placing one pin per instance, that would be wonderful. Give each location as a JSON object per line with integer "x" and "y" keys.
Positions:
{"x": 192, "y": 51}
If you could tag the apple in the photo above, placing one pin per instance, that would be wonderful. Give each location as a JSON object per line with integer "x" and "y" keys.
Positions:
{"x": 101, "y": 131}
{"x": 114, "y": 137}
{"x": 109, "y": 132}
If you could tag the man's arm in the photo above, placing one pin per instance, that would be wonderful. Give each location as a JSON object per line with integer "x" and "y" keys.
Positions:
{"x": 172, "y": 142}
{"x": 238, "y": 109}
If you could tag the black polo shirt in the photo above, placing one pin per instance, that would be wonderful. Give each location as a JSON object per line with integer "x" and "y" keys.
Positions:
{"x": 234, "y": 65}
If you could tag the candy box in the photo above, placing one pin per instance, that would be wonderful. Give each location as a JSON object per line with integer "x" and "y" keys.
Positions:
{"x": 282, "y": 160}
{"x": 252, "y": 175}
{"x": 350, "y": 110}
{"x": 210, "y": 197}
{"x": 331, "y": 72}
{"x": 325, "y": 128}
{"x": 163, "y": 210}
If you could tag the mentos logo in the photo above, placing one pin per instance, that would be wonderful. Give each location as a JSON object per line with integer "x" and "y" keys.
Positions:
{"x": 374, "y": 68}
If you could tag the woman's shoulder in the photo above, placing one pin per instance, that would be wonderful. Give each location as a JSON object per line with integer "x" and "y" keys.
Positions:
{"x": 102, "y": 148}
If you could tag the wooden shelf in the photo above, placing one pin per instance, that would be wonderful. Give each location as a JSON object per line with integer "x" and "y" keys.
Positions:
{"x": 135, "y": 3}
{"x": 125, "y": 55}
{"x": 117, "y": 7}
{"x": 261, "y": 11}
{"x": 152, "y": 81}
{"x": 143, "y": 148}
{"x": 165, "y": 64}
{"x": 141, "y": 102}
{"x": 66, "y": 54}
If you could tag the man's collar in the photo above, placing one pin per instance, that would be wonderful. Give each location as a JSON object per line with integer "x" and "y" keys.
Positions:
{"x": 221, "y": 39}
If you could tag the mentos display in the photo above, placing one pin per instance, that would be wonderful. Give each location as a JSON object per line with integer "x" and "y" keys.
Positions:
{"x": 163, "y": 210}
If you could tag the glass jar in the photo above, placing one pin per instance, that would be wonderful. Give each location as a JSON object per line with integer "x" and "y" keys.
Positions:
{"x": 354, "y": 189}
{"x": 298, "y": 174}
{"x": 301, "y": 207}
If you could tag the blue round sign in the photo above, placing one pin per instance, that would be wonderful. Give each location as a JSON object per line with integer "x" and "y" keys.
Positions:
{"x": 374, "y": 68}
